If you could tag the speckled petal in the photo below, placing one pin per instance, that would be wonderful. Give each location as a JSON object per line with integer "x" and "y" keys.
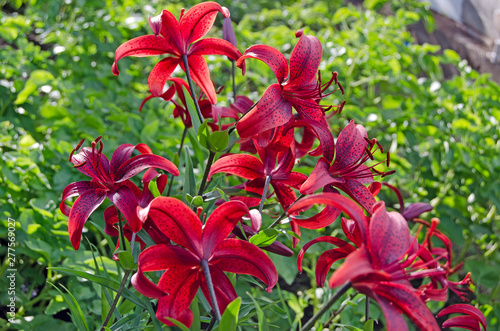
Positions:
{"x": 160, "y": 74}
{"x": 141, "y": 162}
{"x": 200, "y": 74}
{"x": 216, "y": 46}
{"x": 304, "y": 61}
{"x": 241, "y": 165}
{"x": 198, "y": 20}
{"x": 270, "y": 56}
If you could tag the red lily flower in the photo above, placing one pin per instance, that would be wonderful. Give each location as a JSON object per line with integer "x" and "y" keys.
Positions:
{"x": 300, "y": 89}
{"x": 282, "y": 179}
{"x": 179, "y": 38}
{"x": 109, "y": 179}
{"x": 471, "y": 321}
{"x": 375, "y": 269}
{"x": 348, "y": 172}
{"x": 208, "y": 244}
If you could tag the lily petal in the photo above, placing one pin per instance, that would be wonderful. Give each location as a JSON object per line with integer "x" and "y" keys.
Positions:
{"x": 198, "y": 20}
{"x": 241, "y": 257}
{"x": 305, "y": 60}
{"x": 76, "y": 189}
{"x": 224, "y": 290}
{"x": 271, "y": 111}
{"x": 351, "y": 145}
{"x": 319, "y": 177}
{"x": 220, "y": 223}
{"x": 325, "y": 261}
{"x": 216, "y": 46}
{"x": 270, "y": 56}
{"x": 394, "y": 320}
{"x": 141, "y": 162}
{"x": 360, "y": 193}
{"x": 461, "y": 308}
{"x": 200, "y": 74}
{"x": 80, "y": 212}
{"x": 322, "y": 132}
{"x": 160, "y": 74}
{"x": 142, "y": 46}
{"x": 241, "y": 165}
{"x": 126, "y": 199}
{"x": 177, "y": 222}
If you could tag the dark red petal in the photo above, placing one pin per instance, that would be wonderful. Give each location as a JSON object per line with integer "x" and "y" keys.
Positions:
{"x": 407, "y": 300}
{"x": 87, "y": 163}
{"x": 461, "y": 308}
{"x": 146, "y": 287}
{"x": 325, "y": 261}
{"x": 198, "y": 20}
{"x": 76, "y": 189}
{"x": 162, "y": 257}
{"x": 271, "y": 111}
{"x": 224, "y": 290}
{"x": 123, "y": 153}
{"x": 394, "y": 319}
{"x": 304, "y": 61}
{"x": 241, "y": 257}
{"x": 200, "y": 74}
{"x": 324, "y": 218}
{"x": 255, "y": 186}
{"x": 351, "y": 145}
{"x": 216, "y": 46}
{"x": 242, "y": 165}
{"x": 242, "y": 104}
{"x": 293, "y": 179}
{"x": 126, "y": 199}
{"x": 110, "y": 220}
{"x": 170, "y": 30}
{"x": 320, "y": 131}
{"x": 335, "y": 200}
{"x": 159, "y": 75}
{"x": 319, "y": 177}
{"x": 220, "y": 223}
{"x": 342, "y": 244}
{"x": 141, "y": 162}
{"x": 415, "y": 209}
{"x": 389, "y": 236}
{"x": 308, "y": 109}
{"x": 178, "y": 222}
{"x": 83, "y": 207}
{"x": 142, "y": 46}
{"x": 358, "y": 192}
{"x": 181, "y": 285}
{"x": 351, "y": 231}
{"x": 270, "y": 56}
{"x": 286, "y": 196}
{"x": 464, "y": 322}
{"x": 356, "y": 264}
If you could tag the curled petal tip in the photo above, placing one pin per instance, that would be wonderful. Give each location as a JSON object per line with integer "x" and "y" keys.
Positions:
{"x": 114, "y": 69}
{"x": 299, "y": 33}
{"x": 225, "y": 12}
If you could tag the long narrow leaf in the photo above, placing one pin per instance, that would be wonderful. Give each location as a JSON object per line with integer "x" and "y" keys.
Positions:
{"x": 74, "y": 307}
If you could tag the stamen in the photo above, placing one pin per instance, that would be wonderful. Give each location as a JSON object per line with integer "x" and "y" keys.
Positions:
{"x": 388, "y": 159}
{"x": 80, "y": 164}
{"x": 388, "y": 173}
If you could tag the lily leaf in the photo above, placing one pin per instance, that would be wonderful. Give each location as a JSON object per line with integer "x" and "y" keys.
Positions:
{"x": 265, "y": 237}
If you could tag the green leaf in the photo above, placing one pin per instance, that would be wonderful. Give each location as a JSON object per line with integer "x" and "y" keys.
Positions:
{"x": 109, "y": 283}
{"x": 260, "y": 315}
{"x": 189, "y": 186}
{"x": 76, "y": 311}
{"x": 265, "y": 237}
{"x": 37, "y": 78}
{"x": 203, "y": 134}
{"x": 229, "y": 319}
{"x": 177, "y": 323}
{"x": 368, "y": 326}
{"x": 195, "y": 308}
{"x": 192, "y": 109}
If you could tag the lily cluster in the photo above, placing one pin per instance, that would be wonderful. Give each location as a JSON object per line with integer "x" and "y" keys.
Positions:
{"x": 287, "y": 124}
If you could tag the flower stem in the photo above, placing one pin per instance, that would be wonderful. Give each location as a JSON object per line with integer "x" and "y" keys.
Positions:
{"x": 210, "y": 285}
{"x": 179, "y": 155}
{"x": 327, "y": 306}
{"x": 123, "y": 245}
{"x": 191, "y": 87}
{"x": 117, "y": 297}
{"x": 211, "y": 157}
{"x": 264, "y": 193}
{"x": 367, "y": 309}
{"x": 233, "y": 69}
{"x": 282, "y": 216}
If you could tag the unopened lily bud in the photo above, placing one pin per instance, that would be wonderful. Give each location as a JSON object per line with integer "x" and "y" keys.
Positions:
{"x": 228, "y": 31}
{"x": 155, "y": 24}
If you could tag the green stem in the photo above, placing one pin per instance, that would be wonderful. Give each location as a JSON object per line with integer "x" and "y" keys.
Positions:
{"x": 123, "y": 244}
{"x": 282, "y": 216}
{"x": 233, "y": 69}
{"x": 179, "y": 155}
{"x": 191, "y": 87}
{"x": 367, "y": 309}
{"x": 264, "y": 193}
{"x": 117, "y": 297}
{"x": 210, "y": 286}
{"x": 327, "y": 306}
{"x": 211, "y": 157}
{"x": 211, "y": 325}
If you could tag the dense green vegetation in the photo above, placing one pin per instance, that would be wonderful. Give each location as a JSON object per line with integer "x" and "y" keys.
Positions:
{"x": 56, "y": 87}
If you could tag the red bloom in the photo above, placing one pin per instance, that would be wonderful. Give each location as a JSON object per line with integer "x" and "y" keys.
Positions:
{"x": 208, "y": 244}
{"x": 375, "y": 269}
{"x": 471, "y": 321}
{"x": 348, "y": 172}
{"x": 300, "y": 89}
{"x": 282, "y": 178}
{"x": 109, "y": 179}
{"x": 179, "y": 38}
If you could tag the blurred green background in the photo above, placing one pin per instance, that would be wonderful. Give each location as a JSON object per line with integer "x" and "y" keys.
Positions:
{"x": 56, "y": 87}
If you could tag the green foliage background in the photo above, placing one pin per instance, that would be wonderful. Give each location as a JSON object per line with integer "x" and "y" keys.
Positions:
{"x": 56, "y": 87}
